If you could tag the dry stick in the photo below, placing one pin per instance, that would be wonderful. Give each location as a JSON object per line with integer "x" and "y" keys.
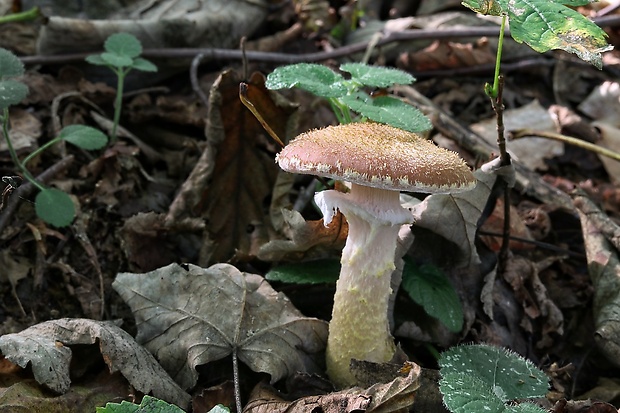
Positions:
{"x": 498, "y": 107}
{"x": 26, "y": 189}
{"x": 529, "y": 133}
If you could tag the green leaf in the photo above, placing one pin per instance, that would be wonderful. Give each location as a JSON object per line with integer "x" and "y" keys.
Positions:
{"x": 84, "y": 137}
{"x": 95, "y": 59}
{"x": 123, "y": 44}
{"x": 148, "y": 405}
{"x": 376, "y": 76}
{"x": 486, "y": 7}
{"x": 429, "y": 287}
{"x": 548, "y": 24}
{"x": 503, "y": 373}
{"x": 387, "y": 109}
{"x": 464, "y": 393}
{"x": 54, "y": 207}
{"x": 116, "y": 60}
{"x": 309, "y": 272}
{"x": 314, "y": 78}
{"x": 525, "y": 408}
{"x": 11, "y": 92}
{"x": 143, "y": 65}
{"x": 10, "y": 65}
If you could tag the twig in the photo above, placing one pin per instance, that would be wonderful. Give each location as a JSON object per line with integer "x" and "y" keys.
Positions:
{"x": 525, "y": 133}
{"x": 193, "y": 75}
{"x": 26, "y": 189}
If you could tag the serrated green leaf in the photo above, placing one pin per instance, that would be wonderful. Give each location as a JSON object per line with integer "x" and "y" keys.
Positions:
{"x": 148, "y": 405}
{"x": 463, "y": 393}
{"x": 486, "y": 7}
{"x": 12, "y": 92}
{"x": 376, "y": 76}
{"x": 504, "y": 373}
{"x": 429, "y": 287}
{"x": 546, "y": 25}
{"x": 309, "y": 272}
{"x": 314, "y": 78}
{"x": 95, "y": 59}
{"x": 525, "y": 408}
{"x": 387, "y": 109}
{"x": 10, "y": 65}
{"x": 123, "y": 44}
{"x": 54, "y": 207}
{"x": 84, "y": 137}
{"x": 219, "y": 409}
{"x": 143, "y": 65}
{"x": 116, "y": 60}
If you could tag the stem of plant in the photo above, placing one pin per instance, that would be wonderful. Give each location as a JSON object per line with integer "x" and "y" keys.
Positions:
{"x": 14, "y": 158}
{"x": 118, "y": 102}
{"x": 493, "y": 91}
{"x": 23, "y": 16}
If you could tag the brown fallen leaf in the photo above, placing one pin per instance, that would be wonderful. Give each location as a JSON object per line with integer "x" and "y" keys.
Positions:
{"x": 233, "y": 177}
{"x": 46, "y": 347}
{"x": 447, "y": 55}
{"x": 307, "y": 239}
{"x": 394, "y": 396}
{"x": 189, "y": 316}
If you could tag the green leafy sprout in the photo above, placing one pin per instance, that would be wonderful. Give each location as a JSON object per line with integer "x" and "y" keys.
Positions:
{"x": 121, "y": 55}
{"x": 52, "y": 205}
{"x": 345, "y": 95}
{"x": 483, "y": 378}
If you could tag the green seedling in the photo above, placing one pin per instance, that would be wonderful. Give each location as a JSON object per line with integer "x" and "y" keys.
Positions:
{"x": 122, "y": 55}
{"x": 484, "y": 378}
{"x": 151, "y": 405}
{"x": 346, "y": 95}
{"x": 52, "y": 205}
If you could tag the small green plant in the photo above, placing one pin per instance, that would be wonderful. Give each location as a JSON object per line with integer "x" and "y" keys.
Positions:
{"x": 346, "y": 95}
{"x": 483, "y": 378}
{"x": 122, "y": 55}
{"x": 52, "y": 205}
{"x": 150, "y": 405}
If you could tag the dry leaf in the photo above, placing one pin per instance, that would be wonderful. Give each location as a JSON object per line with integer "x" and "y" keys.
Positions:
{"x": 447, "y": 55}
{"x": 307, "y": 239}
{"x": 395, "y": 396}
{"x": 233, "y": 177}
{"x": 189, "y": 317}
{"x": 604, "y": 270}
{"x": 531, "y": 152}
{"x": 45, "y": 347}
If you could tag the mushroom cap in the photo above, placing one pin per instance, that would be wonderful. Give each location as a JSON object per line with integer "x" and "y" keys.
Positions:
{"x": 377, "y": 155}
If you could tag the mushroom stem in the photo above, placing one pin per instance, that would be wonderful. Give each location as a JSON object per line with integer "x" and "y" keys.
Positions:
{"x": 359, "y": 327}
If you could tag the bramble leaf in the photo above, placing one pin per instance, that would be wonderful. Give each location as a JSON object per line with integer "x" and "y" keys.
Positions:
{"x": 376, "y": 76}
{"x": 116, "y": 60}
{"x": 84, "y": 137}
{"x": 11, "y": 92}
{"x": 503, "y": 373}
{"x": 387, "y": 109}
{"x": 123, "y": 44}
{"x": 429, "y": 287}
{"x": 317, "y": 79}
{"x": 95, "y": 59}
{"x": 54, "y": 207}
{"x": 148, "y": 405}
{"x": 548, "y": 24}
{"x": 10, "y": 65}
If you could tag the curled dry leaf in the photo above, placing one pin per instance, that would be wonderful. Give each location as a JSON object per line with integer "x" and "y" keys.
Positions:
{"x": 189, "y": 316}
{"x": 394, "y": 396}
{"x": 604, "y": 270}
{"x": 45, "y": 346}
{"x": 307, "y": 239}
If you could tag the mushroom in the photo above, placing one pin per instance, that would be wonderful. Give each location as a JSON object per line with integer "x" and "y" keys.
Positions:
{"x": 379, "y": 161}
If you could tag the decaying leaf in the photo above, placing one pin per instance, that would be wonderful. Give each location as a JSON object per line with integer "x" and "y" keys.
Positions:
{"x": 604, "y": 270}
{"x": 191, "y": 316}
{"x": 234, "y": 175}
{"x": 307, "y": 239}
{"x": 45, "y": 347}
{"x": 394, "y": 396}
